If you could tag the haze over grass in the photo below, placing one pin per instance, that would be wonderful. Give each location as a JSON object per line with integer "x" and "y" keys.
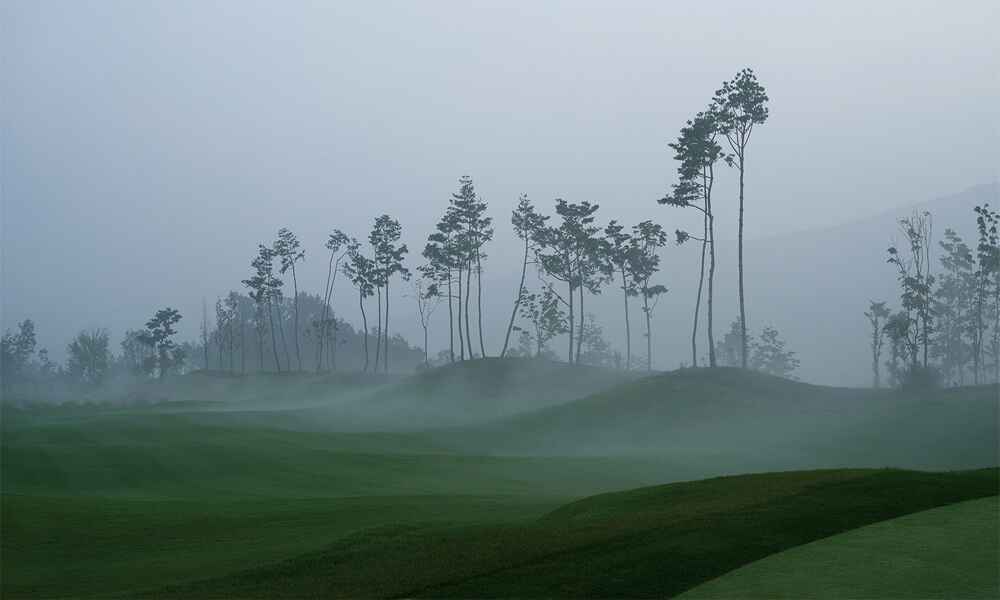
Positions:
{"x": 233, "y": 473}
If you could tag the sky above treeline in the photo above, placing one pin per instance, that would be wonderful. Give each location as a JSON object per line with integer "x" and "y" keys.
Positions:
{"x": 147, "y": 148}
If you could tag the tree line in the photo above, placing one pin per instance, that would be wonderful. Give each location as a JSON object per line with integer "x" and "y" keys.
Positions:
{"x": 572, "y": 256}
{"x": 946, "y": 330}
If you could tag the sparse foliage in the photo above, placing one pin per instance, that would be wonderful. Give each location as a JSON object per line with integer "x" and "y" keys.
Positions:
{"x": 89, "y": 355}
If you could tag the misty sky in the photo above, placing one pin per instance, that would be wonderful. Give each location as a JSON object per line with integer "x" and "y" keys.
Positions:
{"x": 147, "y": 148}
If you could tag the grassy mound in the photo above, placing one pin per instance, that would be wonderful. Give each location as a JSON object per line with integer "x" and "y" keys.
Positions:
{"x": 946, "y": 552}
{"x": 786, "y": 424}
{"x": 468, "y": 392}
{"x": 650, "y": 542}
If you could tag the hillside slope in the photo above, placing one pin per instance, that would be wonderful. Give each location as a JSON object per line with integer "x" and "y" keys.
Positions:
{"x": 789, "y": 424}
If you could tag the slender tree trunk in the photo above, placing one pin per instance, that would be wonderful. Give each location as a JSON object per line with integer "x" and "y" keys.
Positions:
{"x": 697, "y": 304}
{"x": 579, "y": 340}
{"x": 451, "y": 321}
{"x": 325, "y": 311}
{"x": 711, "y": 281}
{"x": 517, "y": 303}
{"x": 571, "y": 319}
{"x": 295, "y": 285}
{"x": 243, "y": 349}
{"x": 461, "y": 337}
{"x": 649, "y": 334}
{"x": 378, "y": 340}
{"x": 628, "y": 329}
{"x": 468, "y": 294}
{"x": 743, "y": 313}
{"x": 385, "y": 358}
{"x": 274, "y": 341}
{"x": 281, "y": 330}
{"x": 479, "y": 301}
{"x": 204, "y": 330}
{"x": 364, "y": 320}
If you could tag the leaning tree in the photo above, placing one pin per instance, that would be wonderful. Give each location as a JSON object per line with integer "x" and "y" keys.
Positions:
{"x": 527, "y": 224}
{"x": 697, "y": 152}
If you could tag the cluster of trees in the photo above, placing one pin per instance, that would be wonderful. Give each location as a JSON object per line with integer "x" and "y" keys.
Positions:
{"x": 947, "y": 328}
{"x": 765, "y": 353}
{"x": 145, "y": 353}
{"x": 570, "y": 253}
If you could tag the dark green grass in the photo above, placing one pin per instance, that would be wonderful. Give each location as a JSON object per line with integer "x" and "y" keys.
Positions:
{"x": 947, "y": 552}
{"x": 55, "y": 547}
{"x": 651, "y": 542}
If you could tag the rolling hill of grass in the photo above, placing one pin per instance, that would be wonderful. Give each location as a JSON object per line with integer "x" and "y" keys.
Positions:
{"x": 742, "y": 414}
{"x": 649, "y": 542}
{"x": 207, "y": 476}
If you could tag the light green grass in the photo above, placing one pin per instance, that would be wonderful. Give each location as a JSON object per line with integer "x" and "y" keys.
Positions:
{"x": 947, "y": 552}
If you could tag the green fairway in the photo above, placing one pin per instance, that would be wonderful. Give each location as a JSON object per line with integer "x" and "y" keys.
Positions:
{"x": 450, "y": 482}
{"x": 947, "y": 552}
{"x": 650, "y": 542}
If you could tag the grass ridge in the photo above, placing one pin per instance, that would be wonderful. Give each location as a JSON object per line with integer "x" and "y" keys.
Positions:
{"x": 607, "y": 555}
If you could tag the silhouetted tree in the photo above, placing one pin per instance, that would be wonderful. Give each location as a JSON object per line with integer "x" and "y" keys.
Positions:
{"x": 15, "y": 352}
{"x": 917, "y": 282}
{"x": 697, "y": 151}
{"x": 476, "y": 232}
{"x": 89, "y": 356}
{"x": 259, "y": 330}
{"x": 236, "y": 327}
{"x": 205, "y": 330}
{"x": 953, "y": 303}
{"x": 222, "y": 330}
{"x": 728, "y": 350}
{"x": 360, "y": 270}
{"x": 740, "y": 106}
{"x": 265, "y": 287}
{"x": 768, "y": 355}
{"x": 137, "y": 356}
{"x": 339, "y": 246}
{"x": 286, "y": 248}
{"x": 647, "y": 239}
{"x": 622, "y": 254}
{"x": 387, "y": 262}
{"x": 571, "y": 253}
{"x": 877, "y": 315}
{"x": 157, "y": 336}
{"x": 527, "y": 224}
{"x": 596, "y": 349}
{"x": 439, "y": 269}
{"x": 986, "y": 288}
{"x": 427, "y": 301}
{"x": 546, "y": 318}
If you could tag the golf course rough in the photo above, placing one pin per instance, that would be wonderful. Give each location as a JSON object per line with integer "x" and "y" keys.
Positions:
{"x": 343, "y": 485}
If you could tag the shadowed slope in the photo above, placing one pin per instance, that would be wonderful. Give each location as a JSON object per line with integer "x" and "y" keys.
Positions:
{"x": 649, "y": 542}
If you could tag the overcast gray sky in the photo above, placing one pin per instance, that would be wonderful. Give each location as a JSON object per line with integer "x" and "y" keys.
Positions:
{"x": 147, "y": 148}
